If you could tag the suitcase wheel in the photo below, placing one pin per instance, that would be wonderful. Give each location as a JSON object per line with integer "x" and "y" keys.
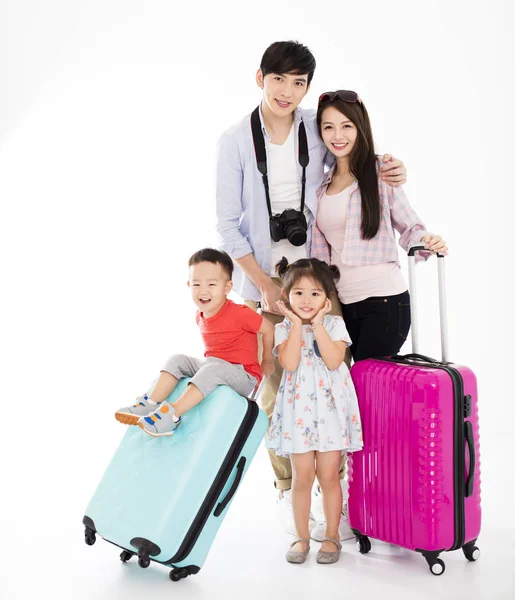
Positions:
{"x": 437, "y": 567}
{"x": 125, "y": 556}
{"x": 178, "y": 574}
{"x": 363, "y": 545}
{"x": 471, "y": 553}
{"x": 89, "y": 536}
{"x": 143, "y": 558}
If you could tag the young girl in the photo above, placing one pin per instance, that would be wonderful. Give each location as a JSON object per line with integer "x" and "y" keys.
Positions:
{"x": 357, "y": 216}
{"x": 316, "y": 416}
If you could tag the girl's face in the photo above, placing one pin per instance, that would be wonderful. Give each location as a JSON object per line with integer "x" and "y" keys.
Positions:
{"x": 306, "y": 298}
{"x": 338, "y": 132}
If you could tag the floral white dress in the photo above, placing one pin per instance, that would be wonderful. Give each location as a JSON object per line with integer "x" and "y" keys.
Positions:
{"x": 316, "y": 409}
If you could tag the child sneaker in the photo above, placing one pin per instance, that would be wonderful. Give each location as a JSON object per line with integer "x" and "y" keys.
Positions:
{"x": 160, "y": 422}
{"x": 130, "y": 415}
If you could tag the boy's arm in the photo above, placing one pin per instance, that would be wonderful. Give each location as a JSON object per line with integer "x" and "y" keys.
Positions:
{"x": 267, "y": 361}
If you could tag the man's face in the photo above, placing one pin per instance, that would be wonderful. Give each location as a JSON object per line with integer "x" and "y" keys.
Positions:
{"x": 209, "y": 285}
{"x": 282, "y": 93}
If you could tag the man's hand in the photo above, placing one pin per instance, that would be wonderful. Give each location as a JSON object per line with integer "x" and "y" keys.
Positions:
{"x": 268, "y": 366}
{"x": 322, "y": 312}
{"x": 270, "y": 294}
{"x": 393, "y": 171}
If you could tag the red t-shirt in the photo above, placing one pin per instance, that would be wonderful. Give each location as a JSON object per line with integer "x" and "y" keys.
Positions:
{"x": 231, "y": 336}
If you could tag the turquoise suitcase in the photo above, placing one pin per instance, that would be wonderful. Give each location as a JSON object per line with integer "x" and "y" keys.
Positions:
{"x": 163, "y": 499}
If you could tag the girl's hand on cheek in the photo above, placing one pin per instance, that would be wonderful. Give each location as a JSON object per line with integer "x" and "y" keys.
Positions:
{"x": 323, "y": 311}
{"x": 288, "y": 313}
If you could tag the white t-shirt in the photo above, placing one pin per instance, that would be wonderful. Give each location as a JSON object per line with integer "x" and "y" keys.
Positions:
{"x": 285, "y": 192}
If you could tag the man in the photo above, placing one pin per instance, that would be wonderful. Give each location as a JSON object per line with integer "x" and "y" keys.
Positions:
{"x": 250, "y": 217}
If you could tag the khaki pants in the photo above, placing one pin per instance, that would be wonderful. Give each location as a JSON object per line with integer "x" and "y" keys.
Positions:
{"x": 281, "y": 464}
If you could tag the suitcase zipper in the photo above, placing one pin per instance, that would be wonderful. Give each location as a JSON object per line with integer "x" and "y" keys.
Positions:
{"x": 218, "y": 485}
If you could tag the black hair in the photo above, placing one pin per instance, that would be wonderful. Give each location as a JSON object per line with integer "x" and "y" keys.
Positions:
{"x": 217, "y": 257}
{"x": 362, "y": 162}
{"x": 315, "y": 269}
{"x": 288, "y": 57}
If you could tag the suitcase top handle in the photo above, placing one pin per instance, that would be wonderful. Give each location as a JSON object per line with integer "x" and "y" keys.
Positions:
{"x": 442, "y": 297}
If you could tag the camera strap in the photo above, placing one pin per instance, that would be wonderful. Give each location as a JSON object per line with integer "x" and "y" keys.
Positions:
{"x": 259, "y": 147}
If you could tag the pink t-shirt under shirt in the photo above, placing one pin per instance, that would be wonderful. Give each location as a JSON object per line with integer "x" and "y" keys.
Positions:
{"x": 356, "y": 283}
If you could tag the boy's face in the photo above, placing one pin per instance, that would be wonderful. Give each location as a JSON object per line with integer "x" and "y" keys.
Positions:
{"x": 209, "y": 285}
{"x": 282, "y": 93}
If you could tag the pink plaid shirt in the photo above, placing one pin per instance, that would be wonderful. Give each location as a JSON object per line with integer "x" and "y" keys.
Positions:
{"x": 396, "y": 214}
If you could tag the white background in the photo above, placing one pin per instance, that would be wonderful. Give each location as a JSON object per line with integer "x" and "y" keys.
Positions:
{"x": 109, "y": 116}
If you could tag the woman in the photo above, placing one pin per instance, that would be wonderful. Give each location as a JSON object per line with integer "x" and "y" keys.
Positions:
{"x": 357, "y": 216}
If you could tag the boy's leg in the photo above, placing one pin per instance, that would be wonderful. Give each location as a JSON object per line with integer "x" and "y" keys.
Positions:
{"x": 211, "y": 373}
{"x": 175, "y": 368}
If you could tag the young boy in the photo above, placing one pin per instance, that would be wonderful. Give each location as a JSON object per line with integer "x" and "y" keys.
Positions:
{"x": 231, "y": 350}
{"x": 243, "y": 212}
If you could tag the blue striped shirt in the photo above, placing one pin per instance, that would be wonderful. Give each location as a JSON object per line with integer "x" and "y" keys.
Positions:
{"x": 241, "y": 210}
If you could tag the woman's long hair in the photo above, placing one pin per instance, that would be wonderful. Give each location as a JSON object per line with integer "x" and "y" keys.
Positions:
{"x": 362, "y": 162}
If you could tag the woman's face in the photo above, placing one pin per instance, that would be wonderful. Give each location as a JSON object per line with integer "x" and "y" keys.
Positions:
{"x": 306, "y": 298}
{"x": 338, "y": 132}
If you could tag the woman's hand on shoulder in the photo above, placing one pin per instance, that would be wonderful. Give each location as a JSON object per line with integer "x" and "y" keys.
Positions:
{"x": 435, "y": 243}
{"x": 393, "y": 171}
{"x": 284, "y": 310}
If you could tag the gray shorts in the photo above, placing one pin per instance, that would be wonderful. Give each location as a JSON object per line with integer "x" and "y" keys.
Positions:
{"x": 207, "y": 374}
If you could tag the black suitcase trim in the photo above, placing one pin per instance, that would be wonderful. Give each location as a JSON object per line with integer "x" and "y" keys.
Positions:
{"x": 219, "y": 483}
{"x": 459, "y": 440}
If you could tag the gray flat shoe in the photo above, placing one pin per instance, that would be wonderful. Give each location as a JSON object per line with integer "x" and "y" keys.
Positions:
{"x": 293, "y": 556}
{"x": 326, "y": 558}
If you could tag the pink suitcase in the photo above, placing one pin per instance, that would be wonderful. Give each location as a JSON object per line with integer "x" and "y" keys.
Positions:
{"x": 416, "y": 484}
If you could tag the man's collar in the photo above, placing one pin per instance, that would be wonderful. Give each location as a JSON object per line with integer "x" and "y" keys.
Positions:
{"x": 297, "y": 118}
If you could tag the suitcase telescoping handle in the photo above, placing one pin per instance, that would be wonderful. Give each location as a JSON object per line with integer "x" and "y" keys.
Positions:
{"x": 414, "y": 302}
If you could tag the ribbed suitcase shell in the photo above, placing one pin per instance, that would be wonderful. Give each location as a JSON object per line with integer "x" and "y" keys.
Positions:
{"x": 156, "y": 488}
{"x": 402, "y": 484}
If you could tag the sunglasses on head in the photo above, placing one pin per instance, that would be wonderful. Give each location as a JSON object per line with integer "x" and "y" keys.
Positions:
{"x": 343, "y": 95}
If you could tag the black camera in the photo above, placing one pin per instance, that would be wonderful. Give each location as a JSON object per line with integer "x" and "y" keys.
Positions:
{"x": 290, "y": 224}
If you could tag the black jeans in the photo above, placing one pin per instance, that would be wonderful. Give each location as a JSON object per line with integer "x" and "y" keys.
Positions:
{"x": 378, "y": 326}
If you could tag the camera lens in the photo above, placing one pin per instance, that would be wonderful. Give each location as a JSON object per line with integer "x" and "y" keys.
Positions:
{"x": 295, "y": 227}
{"x": 295, "y": 233}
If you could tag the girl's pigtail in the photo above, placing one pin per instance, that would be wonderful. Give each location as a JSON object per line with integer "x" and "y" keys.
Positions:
{"x": 335, "y": 272}
{"x": 282, "y": 266}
